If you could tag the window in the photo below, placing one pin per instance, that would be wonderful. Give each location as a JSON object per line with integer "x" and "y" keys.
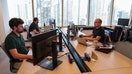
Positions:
{"x": 75, "y": 11}
{"x": 100, "y": 9}
{"x": 21, "y": 9}
{"x": 80, "y": 12}
{"x": 48, "y": 9}
{"x": 122, "y": 9}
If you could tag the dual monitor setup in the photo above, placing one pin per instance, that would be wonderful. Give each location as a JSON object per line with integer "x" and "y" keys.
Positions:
{"x": 52, "y": 23}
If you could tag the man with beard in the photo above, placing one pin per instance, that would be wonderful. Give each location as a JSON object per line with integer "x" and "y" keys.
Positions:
{"x": 34, "y": 27}
{"x": 14, "y": 42}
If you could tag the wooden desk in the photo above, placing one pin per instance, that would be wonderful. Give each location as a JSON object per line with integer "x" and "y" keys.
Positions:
{"x": 113, "y": 62}
{"x": 124, "y": 70}
{"x": 65, "y": 67}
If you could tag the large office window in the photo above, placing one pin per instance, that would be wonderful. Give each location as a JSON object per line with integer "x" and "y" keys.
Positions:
{"x": 122, "y": 9}
{"x": 21, "y": 9}
{"x": 80, "y": 12}
{"x": 48, "y": 9}
{"x": 75, "y": 11}
{"x": 100, "y": 9}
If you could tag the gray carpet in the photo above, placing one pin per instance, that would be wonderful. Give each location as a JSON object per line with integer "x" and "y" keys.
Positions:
{"x": 124, "y": 47}
{"x": 4, "y": 63}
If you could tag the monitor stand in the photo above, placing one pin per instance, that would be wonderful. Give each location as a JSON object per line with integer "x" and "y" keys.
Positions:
{"x": 49, "y": 64}
{"x": 60, "y": 44}
{"x": 60, "y": 48}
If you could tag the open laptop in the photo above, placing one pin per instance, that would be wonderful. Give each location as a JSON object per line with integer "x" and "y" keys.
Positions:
{"x": 83, "y": 41}
{"x": 47, "y": 28}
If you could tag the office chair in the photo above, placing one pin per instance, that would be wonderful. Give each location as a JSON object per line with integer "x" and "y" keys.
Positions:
{"x": 107, "y": 39}
{"x": 27, "y": 30}
{"x": 14, "y": 64}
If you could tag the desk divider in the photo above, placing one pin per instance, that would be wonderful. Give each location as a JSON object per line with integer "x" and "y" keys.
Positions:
{"x": 80, "y": 63}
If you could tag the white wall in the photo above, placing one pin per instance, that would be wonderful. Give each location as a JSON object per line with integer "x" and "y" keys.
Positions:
{"x": 4, "y": 18}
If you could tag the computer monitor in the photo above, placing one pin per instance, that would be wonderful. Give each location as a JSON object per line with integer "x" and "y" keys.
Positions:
{"x": 123, "y": 21}
{"x": 52, "y": 23}
{"x": 44, "y": 45}
{"x": 71, "y": 25}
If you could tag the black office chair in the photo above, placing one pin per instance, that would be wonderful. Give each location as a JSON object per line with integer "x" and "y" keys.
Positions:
{"x": 14, "y": 64}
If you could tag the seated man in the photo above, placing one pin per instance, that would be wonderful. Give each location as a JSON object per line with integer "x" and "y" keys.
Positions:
{"x": 34, "y": 27}
{"x": 98, "y": 32}
{"x": 14, "y": 42}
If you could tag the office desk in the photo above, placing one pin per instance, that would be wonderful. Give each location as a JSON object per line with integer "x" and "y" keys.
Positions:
{"x": 105, "y": 61}
{"x": 65, "y": 67}
{"x": 113, "y": 62}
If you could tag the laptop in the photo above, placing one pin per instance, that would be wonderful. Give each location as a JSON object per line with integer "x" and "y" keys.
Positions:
{"x": 82, "y": 41}
{"x": 47, "y": 28}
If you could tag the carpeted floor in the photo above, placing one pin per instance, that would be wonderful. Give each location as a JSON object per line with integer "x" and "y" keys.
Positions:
{"x": 4, "y": 63}
{"x": 124, "y": 48}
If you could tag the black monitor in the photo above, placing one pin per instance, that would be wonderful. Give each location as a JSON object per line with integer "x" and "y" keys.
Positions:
{"x": 71, "y": 25}
{"x": 123, "y": 21}
{"x": 72, "y": 30}
{"x": 44, "y": 45}
{"x": 52, "y": 23}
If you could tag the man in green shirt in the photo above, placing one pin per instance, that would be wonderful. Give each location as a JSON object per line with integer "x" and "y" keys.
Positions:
{"x": 14, "y": 42}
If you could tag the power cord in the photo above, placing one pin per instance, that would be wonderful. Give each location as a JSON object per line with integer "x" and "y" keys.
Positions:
{"x": 62, "y": 55}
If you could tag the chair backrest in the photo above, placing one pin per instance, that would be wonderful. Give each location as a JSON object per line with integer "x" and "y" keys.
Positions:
{"x": 27, "y": 29}
{"x": 3, "y": 47}
{"x": 9, "y": 56}
{"x": 107, "y": 38}
{"x": 116, "y": 33}
{"x": 13, "y": 67}
{"x": 129, "y": 35}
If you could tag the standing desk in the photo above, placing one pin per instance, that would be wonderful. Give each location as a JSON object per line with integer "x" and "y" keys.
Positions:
{"x": 114, "y": 62}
